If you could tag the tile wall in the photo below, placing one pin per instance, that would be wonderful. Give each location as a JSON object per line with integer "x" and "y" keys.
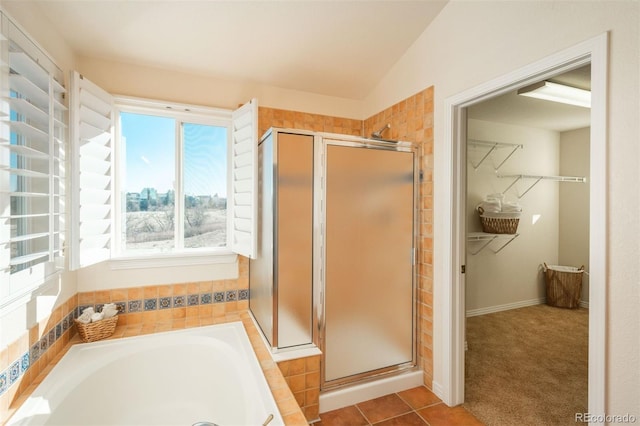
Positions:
{"x": 303, "y": 378}
{"x": 31, "y": 354}
{"x": 270, "y": 117}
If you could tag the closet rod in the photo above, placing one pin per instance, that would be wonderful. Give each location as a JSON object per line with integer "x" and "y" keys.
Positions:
{"x": 538, "y": 178}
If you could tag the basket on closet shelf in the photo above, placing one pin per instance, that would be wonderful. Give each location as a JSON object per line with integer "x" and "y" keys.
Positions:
{"x": 499, "y": 223}
{"x": 98, "y": 330}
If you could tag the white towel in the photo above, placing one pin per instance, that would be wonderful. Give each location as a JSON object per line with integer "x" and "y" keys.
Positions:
{"x": 109, "y": 310}
{"x": 85, "y": 318}
{"x": 511, "y": 207}
{"x": 97, "y": 317}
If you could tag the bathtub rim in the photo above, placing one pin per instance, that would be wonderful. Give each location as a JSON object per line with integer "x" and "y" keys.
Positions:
{"x": 257, "y": 372}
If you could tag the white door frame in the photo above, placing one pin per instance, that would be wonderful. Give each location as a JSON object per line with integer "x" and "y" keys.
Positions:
{"x": 451, "y": 298}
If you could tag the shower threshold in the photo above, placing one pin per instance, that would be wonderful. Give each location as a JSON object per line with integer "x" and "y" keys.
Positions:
{"x": 353, "y": 394}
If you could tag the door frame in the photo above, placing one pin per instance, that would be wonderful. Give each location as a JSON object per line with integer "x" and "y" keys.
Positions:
{"x": 451, "y": 298}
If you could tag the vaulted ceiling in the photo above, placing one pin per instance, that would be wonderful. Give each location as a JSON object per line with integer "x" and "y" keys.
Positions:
{"x": 335, "y": 48}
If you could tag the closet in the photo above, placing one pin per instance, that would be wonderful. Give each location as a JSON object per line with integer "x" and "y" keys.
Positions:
{"x": 530, "y": 167}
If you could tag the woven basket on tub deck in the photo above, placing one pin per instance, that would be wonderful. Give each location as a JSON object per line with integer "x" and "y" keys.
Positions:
{"x": 499, "y": 223}
{"x": 97, "y": 330}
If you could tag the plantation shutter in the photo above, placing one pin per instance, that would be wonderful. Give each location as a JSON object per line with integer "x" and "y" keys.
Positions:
{"x": 244, "y": 194}
{"x": 32, "y": 143}
{"x": 91, "y": 166}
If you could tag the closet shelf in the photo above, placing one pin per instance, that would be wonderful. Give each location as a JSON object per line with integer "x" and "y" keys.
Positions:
{"x": 491, "y": 147}
{"x": 486, "y": 239}
{"x": 538, "y": 178}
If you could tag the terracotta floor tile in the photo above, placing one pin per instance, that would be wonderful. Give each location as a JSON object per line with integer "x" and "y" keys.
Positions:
{"x": 409, "y": 419}
{"x": 419, "y": 397}
{"x": 383, "y": 408}
{"x": 441, "y": 415}
{"x": 347, "y": 416}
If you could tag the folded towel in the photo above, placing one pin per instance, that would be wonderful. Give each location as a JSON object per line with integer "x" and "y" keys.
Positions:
{"x": 85, "y": 318}
{"x": 97, "y": 317}
{"x": 109, "y": 310}
{"x": 511, "y": 207}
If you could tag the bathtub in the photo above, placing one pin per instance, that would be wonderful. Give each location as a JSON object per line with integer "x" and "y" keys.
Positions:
{"x": 204, "y": 374}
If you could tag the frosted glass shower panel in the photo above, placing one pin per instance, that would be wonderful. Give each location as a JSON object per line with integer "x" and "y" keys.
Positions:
{"x": 294, "y": 238}
{"x": 281, "y": 276}
{"x": 369, "y": 260}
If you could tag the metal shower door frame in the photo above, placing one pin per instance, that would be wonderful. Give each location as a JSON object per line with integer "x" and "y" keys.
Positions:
{"x": 321, "y": 143}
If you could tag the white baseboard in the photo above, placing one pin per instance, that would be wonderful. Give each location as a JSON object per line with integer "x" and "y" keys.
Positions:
{"x": 515, "y": 305}
{"x": 437, "y": 389}
{"x": 505, "y": 307}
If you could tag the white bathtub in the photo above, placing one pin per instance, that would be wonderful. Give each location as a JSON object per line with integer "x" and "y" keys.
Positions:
{"x": 174, "y": 378}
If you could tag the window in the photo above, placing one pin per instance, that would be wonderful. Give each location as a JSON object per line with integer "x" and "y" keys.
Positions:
{"x": 32, "y": 155}
{"x": 174, "y": 182}
{"x": 176, "y": 186}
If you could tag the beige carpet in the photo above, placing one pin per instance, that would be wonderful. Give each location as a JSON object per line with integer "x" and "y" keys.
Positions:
{"x": 527, "y": 366}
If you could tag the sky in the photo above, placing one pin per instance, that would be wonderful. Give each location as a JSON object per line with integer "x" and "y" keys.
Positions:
{"x": 150, "y": 155}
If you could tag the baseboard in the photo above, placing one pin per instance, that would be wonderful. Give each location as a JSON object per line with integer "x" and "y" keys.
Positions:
{"x": 505, "y": 307}
{"x": 516, "y": 305}
{"x": 437, "y": 389}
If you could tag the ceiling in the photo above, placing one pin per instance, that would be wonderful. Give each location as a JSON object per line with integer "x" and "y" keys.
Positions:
{"x": 329, "y": 47}
{"x": 520, "y": 110}
{"x": 334, "y": 48}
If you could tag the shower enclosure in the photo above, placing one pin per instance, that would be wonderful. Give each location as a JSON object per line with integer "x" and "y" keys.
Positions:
{"x": 337, "y": 248}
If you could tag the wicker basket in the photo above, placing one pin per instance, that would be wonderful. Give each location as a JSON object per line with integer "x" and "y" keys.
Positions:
{"x": 563, "y": 285}
{"x": 97, "y": 330}
{"x": 499, "y": 223}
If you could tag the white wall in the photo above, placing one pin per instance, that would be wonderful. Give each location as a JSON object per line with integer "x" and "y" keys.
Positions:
{"x": 470, "y": 43}
{"x": 574, "y": 204}
{"x": 512, "y": 277}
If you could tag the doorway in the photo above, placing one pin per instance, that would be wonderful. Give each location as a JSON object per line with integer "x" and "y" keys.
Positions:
{"x": 453, "y": 243}
{"x": 527, "y": 205}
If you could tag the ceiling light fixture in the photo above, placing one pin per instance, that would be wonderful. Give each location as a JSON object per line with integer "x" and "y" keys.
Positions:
{"x": 558, "y": 93}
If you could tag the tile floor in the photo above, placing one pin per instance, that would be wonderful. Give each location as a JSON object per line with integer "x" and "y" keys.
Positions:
{"x": 412, "y": 407}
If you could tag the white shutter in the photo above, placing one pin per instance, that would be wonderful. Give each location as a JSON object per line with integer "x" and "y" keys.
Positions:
{"x": 244, "y": 195}
{"x": 91, "y": 168}
{"x": 32, "y": 141}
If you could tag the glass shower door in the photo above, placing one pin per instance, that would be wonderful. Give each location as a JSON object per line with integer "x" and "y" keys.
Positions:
{"x": 369, "y": 302}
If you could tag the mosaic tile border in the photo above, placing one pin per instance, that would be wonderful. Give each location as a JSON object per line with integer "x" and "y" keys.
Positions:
{"x": 173, "y": 302}
{"x": 17, "y": 368}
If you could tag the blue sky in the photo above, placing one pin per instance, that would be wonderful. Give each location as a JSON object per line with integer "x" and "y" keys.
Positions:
{"x": 150, "y": 155}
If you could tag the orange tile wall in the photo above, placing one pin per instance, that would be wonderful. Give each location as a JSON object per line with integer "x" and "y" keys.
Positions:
{"x": 303, "y": 378}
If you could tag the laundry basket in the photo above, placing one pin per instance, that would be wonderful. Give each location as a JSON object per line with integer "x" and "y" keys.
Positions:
{"x": 563, "y": 285}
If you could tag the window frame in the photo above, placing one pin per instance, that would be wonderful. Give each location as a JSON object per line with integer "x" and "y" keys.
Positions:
{"x": 182, "y": 113}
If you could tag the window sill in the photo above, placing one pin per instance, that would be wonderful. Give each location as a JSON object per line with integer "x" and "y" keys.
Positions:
{"x": 163, "y": 260}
